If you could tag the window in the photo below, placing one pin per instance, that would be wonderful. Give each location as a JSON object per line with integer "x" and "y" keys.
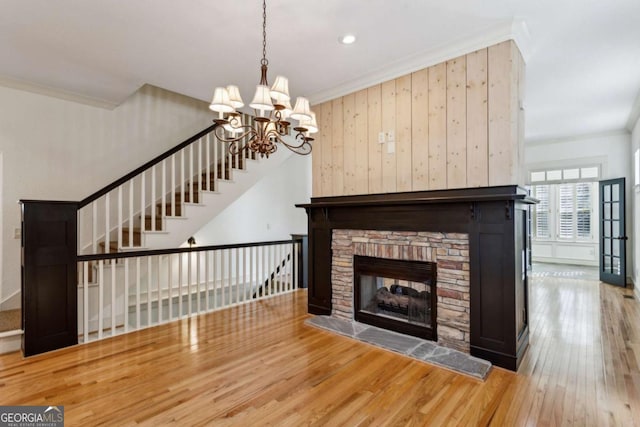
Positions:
{"x": 541, "y": 211}
{"x": 589, "y": 173}
{"x": 565, "y": 211}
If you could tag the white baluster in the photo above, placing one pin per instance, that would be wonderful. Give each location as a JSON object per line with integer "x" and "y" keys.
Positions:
{"x": 182, "y": 183}
{"x": 163, "y": 201}
{"x": 208, "y": 160}
{"x": 138, "y": 293}
{"x": 170, "y": 285}
{"x": 216, "y": 145}
{"x": 158, "y": 261}
{"x": 230, "y": 278}
{"x": 100, "y": 297}
{"x": 107, "y": 237}
{"x": 131, "y": 212}
{"x": 251, "y": 288}
{"x": 85, "y": 298}
{"x": 153, "y": 197}
{"x": 191, "y": 199}
{"x": 189, "y": 259}
{"x": 142, "y": 203}
{"x": 94, "y": 227}
{"x": 237, "y": 275}
{"x": 149, "y": 277}
{"x": 206, "y": 280}
{"x": 180, "y": 256}
{"x": 198, "y": 282}
{"x": 244, "y": 273}
{"x": 126, "y": 295}
{"x": 200, "y": 169}
{"x": 119, "y": 227}
{"x": 173, "y": 185}
{"x": 113, "y": 297}
{"x": 216, "y": 270}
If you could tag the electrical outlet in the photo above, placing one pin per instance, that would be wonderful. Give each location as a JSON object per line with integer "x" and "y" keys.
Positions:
{"x": 17, "y": 233}
{"x": 391, "y": 147}
{"x": 381, "y": 138}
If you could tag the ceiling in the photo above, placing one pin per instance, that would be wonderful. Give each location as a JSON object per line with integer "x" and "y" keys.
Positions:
{"x": 583, "y": 56}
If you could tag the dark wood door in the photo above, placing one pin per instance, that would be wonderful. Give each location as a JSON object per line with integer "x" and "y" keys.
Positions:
{"x": 49, "y": 275}
{"x": 613, "y": 237}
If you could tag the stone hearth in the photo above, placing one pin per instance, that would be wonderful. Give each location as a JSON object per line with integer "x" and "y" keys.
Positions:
{"x": 449, "y": 250}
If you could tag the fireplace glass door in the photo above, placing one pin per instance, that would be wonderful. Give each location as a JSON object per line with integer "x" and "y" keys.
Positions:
{"x": 396, "y": 294}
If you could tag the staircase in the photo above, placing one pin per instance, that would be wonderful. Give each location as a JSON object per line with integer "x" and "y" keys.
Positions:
{"x": 10, "y": 330}
{"x": 162, "y": 203}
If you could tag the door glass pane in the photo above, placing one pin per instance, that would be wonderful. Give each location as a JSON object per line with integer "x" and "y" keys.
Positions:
{"x": 616, "y": 229}
{"x": 607, "y": 229}
{"x": 607, "y": 193}
{"x": 615, "y": 192}
{"x": 615, "y": 210}
{"x": 607, "y": 210}
{"x": 616, "y": 266}
{"x": 616, "y": 247}
{"x": 607, "y": 246}
{"x": 607, "y": 264}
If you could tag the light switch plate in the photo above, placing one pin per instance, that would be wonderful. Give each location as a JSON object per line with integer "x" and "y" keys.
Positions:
{"x": 17, "y": 233}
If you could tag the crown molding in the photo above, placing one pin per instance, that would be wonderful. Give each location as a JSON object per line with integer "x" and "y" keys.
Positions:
{"x": 56, "y": 93}
{"x": 574, "y": 138}
{"x": 515, "y": 30}
{"x": 634, "y": 115}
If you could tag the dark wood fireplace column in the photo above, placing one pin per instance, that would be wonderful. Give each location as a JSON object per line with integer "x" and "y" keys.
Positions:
{"x": 496, "y": 220}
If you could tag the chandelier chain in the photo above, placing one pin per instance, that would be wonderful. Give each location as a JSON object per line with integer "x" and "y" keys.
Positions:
{"x": 264, "y": 33}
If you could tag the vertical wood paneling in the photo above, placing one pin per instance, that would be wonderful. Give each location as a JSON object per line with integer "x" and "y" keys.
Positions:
{"x": 388, "y": 125}
{"x": 477, "y": 148}
{"x": 502, "y": 147}
{"x": 456, "y": 123}
{"x": 403, "y": 133}
{"x": 522, "y": 179}
{"x": 337, "y": 154}
{"x": 420, "y": 130}
{"x": 361, "y": 143}
{"x": 316, "y": 157}
{"x": 325, "y": 135}
{"x": 374, "y": 115}
{"x": 437, "y": 127}
{"x": 349, "y": 143}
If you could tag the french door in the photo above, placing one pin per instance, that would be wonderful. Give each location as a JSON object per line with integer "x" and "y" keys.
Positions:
{"x": 613, "y": 237}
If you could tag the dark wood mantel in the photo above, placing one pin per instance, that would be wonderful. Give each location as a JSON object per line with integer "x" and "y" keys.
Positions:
{"x": 496, "y": 219}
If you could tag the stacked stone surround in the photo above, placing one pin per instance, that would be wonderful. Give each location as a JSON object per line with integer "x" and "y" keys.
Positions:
{"x": 450, "y": 251}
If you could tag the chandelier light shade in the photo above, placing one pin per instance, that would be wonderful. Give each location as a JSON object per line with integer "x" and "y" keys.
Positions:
{"x": 273, "y": 112}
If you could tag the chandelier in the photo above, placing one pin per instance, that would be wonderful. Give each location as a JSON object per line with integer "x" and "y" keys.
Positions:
{"x": 271, "y": 122}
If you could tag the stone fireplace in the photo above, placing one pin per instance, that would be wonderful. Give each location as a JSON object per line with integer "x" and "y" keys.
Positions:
{"x": 477, "y": 237}
{"x": 448, "y": 251}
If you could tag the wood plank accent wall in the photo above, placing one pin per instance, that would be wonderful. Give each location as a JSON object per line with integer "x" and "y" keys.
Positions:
{"x": 456, "y": 124}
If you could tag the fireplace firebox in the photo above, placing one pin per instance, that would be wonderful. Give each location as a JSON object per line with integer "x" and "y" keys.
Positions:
{"x": 394, "y": 294}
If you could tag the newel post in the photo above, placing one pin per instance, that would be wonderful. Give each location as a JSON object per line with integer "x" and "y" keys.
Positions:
{"x": 49, "y": 275}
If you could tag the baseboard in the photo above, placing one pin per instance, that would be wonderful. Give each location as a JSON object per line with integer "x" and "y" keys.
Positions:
{"x": 12, "y": 302}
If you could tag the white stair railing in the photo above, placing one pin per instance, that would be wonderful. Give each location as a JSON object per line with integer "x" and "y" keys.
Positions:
{"x": 120, "y": 293}
{"x": 116, "y": 217}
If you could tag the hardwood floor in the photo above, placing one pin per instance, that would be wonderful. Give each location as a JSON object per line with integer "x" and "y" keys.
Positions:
{"x": 260, "y": 365}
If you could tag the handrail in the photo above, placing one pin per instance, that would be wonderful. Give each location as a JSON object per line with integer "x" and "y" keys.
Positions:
{"x": 136, "y": 254}
{"x": 145, "y": 166}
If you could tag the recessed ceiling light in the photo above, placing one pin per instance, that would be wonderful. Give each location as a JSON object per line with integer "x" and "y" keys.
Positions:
{"x": 347, "y": 39}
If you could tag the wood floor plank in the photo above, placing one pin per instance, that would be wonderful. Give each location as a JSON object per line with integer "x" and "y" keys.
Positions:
{"x": 259, "y": 364}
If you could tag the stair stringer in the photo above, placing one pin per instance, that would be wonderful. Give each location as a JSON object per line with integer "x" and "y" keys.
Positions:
{"x": 196, "y": 215}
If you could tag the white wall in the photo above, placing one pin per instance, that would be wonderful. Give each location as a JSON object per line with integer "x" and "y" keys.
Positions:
{"x": 635, "y": 237}
{"x": 610, "y": 151}
{"x": 265, "y": 212}
{"x": 56, "y": 149}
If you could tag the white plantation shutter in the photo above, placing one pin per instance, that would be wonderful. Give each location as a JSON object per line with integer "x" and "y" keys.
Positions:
{"x": 583, "y": 210}
{"x": 541, "y": 223}
{"x": 566, "y": 210}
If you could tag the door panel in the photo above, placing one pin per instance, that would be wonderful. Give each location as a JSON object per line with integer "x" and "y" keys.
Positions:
{"x": 612, "y": 232}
